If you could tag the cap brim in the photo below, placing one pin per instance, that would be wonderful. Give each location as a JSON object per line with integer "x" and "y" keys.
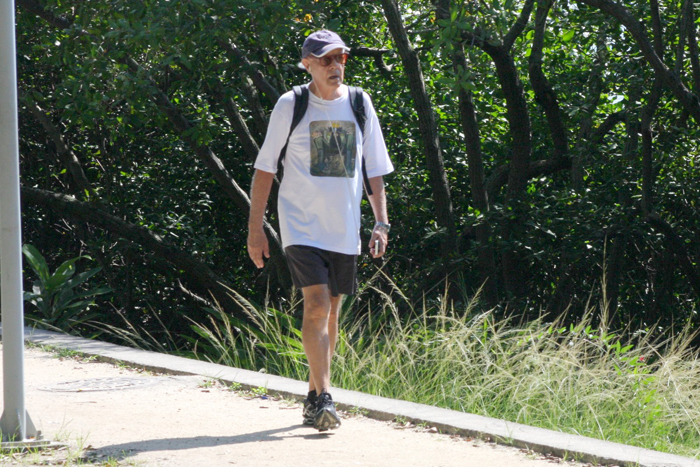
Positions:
{"x": 329, "y": 48}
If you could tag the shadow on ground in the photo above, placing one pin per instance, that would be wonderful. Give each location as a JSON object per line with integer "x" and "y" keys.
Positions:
{"x": 125, "y": 450}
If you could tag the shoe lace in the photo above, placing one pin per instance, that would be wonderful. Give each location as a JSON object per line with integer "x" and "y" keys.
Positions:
{"x": 324, "y": 399}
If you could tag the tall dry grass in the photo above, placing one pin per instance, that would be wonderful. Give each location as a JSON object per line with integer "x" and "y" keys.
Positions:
{"x": 619, "y": 385}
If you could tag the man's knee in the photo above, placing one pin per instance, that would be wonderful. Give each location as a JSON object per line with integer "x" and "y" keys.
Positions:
{"x": 317, "y": 301}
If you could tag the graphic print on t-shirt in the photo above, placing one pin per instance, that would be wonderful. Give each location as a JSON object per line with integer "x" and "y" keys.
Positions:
{"x": 332, "y": 148}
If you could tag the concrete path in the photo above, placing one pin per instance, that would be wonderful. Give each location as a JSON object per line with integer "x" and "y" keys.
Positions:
{"x": 179, "y": 417}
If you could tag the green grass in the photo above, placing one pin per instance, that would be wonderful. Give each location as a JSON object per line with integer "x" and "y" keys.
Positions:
{"x": 62, "y": 353}
{"x": 621, "y": 386}
{"x": 66, "y": 453}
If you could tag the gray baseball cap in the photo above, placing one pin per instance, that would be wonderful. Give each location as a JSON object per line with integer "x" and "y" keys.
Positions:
{"x": 321, "y": 42}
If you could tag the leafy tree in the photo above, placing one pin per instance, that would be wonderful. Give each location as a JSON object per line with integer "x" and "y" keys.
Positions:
{"x": 541, "y": 147}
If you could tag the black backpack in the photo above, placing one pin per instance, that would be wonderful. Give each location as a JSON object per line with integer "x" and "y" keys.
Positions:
{"x": 301, "y": 103}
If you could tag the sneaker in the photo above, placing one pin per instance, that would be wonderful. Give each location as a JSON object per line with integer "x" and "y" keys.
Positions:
{"x": 309, "y": 412}
{"x": 325, "y": 418}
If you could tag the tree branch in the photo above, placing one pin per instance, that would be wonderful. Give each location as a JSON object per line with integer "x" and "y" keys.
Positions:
{"x": 594, "y": 86}
{"x": 516, "y": 106}
{"x": 519, "y": 25}
{"x": 183, "y": 125}
{"x": 250, "y": 146}
{"x": 648, "y": 114}
{"x": 499, "y": 177}
{"x": 606, "y": 127}
{"x": 693, "y": 51}
{"x": 239, "y": 59}
{"x": 544, "y": 94}
{"x": 54, "y": 20}
{"x": 679, "y": 249}
{"x": 377, "y": 55}
{"x": 194, "y": 271}
{"x": 684, "y": 27}
{"x": 67, "y": 156}
{"x": 687, "y": 99}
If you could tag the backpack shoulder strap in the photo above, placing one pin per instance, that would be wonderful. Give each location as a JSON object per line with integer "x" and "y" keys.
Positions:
{"x": 301, "y": 103}
{"x": 357, "y": 101}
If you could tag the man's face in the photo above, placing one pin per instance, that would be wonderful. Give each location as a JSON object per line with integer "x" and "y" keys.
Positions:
{"x": 328, "y": 70}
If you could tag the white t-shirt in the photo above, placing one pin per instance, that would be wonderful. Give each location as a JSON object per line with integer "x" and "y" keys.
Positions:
{"x": 321, "y": 190}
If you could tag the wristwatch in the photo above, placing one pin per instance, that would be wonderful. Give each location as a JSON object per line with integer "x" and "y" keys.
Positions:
{"x": 382, "y": 226}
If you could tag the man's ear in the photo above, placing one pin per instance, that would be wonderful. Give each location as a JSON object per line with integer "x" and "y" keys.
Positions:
{"x": 306, "y": 62}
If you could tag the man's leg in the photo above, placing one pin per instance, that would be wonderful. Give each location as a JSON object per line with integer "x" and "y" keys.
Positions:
{"x": 311, "y": 402}
{"x": 315, "y": 336}
{"x": 333, "y": 317}
{"x": 336, "y": 302}
{"x": 319, "y": 333}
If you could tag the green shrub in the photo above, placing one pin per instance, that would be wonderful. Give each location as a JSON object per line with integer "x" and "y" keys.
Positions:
{"x": 59, "y": 302}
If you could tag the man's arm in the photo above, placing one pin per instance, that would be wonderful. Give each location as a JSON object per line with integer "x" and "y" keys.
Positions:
{"x": 378, "y": 202}
{"x": 258, "y": 246}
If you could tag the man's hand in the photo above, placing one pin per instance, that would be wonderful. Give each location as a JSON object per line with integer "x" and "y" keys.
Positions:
{"x": 380, "y": 234}
{"x": 378, "y": 243}
{"x": 258, "y": 247}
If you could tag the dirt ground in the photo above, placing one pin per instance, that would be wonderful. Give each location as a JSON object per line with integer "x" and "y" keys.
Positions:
{"x": 109, "y": 415}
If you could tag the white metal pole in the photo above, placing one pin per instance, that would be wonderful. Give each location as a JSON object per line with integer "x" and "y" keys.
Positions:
{"x": 15, "y": 423}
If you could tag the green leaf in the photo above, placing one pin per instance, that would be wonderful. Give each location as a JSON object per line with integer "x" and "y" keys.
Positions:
{"x": 62, "y": 274}
{"x": 36, "y": 261}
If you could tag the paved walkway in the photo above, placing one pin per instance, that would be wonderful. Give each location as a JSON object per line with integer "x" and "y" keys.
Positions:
{"x": 121, "y": 416}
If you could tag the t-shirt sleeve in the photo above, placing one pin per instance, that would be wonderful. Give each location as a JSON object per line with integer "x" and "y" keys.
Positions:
{"x": 377, "y": 161}
{"x": 277, "y": 132}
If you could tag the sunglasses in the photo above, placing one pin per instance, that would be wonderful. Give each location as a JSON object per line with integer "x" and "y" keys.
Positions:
{"x": 328, "y": 59}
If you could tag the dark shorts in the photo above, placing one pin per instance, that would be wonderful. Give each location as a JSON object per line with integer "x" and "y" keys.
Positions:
{"x": 313, "y": 266}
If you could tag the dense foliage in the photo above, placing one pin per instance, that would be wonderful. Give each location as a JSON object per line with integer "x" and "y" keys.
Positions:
{"x": 546, "y": 153}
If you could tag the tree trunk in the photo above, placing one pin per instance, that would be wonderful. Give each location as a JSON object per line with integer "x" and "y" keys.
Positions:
{"x": 427, "y": 126}
{"x": 475, "y": 162}
{"x": 518, "y": 172}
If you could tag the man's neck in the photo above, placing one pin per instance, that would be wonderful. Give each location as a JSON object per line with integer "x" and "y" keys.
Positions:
{"x": 327, "y": 93}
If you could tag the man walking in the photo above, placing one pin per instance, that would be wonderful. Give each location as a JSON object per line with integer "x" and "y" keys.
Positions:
{"x": 319, "y": 204}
